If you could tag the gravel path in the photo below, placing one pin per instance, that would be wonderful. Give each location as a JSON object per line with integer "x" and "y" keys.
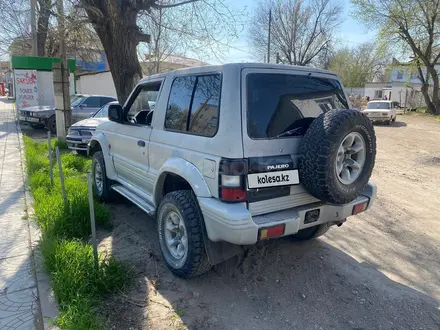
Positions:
{"x": 380, "y": 270}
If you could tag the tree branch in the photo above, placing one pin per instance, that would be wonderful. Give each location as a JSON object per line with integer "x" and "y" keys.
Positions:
{"x": 157, "y": 6}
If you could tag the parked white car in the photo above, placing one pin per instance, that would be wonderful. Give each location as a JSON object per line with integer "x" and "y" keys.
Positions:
{"x": 235, "y": 154}
{"x": 79, "y": 134}
{"x": 381, "y": 110}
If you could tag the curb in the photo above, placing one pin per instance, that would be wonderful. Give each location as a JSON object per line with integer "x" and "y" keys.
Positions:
{"x": 47, "y": 307}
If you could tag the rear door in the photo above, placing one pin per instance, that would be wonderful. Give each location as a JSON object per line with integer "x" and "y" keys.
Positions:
{"x": 277, "y": 108}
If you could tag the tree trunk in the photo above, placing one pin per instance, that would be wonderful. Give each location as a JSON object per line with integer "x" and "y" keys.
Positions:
{"x": 120, "y": 39}
{"x": 425, "y": 92}
{"x": 42, "y": 25}
{"x": 436, "y": 89}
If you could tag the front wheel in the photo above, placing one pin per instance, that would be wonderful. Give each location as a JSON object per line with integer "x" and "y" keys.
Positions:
{"x": 101, "y": 183}
{"x": 180, "y": 228}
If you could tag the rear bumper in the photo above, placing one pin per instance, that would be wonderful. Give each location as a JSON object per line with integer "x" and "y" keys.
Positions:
{"x": 233, "y": 223}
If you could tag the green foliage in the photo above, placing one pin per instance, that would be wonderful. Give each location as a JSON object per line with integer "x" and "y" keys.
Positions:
{"x": 78, "y": 284}
{"x": 361, "y": 65}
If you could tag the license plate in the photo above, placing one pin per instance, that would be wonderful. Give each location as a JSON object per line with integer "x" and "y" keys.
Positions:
{"x": 29, "y": 119}
{"x": 273, "y": 179}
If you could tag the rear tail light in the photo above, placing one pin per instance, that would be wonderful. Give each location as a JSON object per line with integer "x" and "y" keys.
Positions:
{"x": 231, "y": 180}
{"x": 358, "y": 208}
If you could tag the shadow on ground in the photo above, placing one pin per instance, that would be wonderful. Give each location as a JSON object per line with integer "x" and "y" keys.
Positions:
{"x": 281, "y": 284}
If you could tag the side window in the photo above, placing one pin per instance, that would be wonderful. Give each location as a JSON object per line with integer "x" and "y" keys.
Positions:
{"x": 176, "y": 117}
{"x": 93, "y": 102}
{"x": 205, "y": 104}
{"x": 143, "y": 103}
{"x": 105, "y": 100}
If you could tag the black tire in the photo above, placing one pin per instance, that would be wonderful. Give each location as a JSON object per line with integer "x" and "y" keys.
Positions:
{"x": 51, "y": 125}
{"x": 388, "y": 122}
{"x": 312, "y": 232}
{"x": 195, "y": 262}
{"x": 319, "y": 149}
{"x": 105, "y": 194}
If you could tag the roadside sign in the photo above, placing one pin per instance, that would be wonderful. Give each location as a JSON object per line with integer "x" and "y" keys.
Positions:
{"x": 26, "y": 89}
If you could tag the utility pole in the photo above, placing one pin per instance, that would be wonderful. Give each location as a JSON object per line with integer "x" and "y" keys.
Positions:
{"x": 34, "y": 27}
{"x": 63, "y": 110}
{"x": 268, "y": 36}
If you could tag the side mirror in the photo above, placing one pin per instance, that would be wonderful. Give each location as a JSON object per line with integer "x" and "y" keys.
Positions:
{"x": 115, "y": 113}
{"x": 84, "y": 105}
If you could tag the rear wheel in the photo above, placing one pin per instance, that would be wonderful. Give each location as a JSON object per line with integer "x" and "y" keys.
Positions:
{"x": 51, "y": 125}
{"x": 180, "y": 234}
{"x": 312, "y": 232}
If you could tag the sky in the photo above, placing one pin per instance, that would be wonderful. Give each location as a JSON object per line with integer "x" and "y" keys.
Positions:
{"x": 350, "y": 33}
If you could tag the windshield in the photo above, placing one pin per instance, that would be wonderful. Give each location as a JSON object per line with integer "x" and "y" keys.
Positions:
{"x": 102, "y": 113}
{"x": 379, "y": 105}
{"x": 280, "y": 105}
{"x": 76, "y": 100}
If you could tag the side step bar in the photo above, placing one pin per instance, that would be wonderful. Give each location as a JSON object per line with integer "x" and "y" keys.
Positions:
{"x": 135, "y": 199}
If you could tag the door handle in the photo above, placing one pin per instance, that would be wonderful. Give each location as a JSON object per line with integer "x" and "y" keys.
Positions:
{"x": 141, "y": 143}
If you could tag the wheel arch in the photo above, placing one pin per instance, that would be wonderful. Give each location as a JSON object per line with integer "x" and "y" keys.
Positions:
{"x": 99, "y": 143}
{"x": 179, "y": 174}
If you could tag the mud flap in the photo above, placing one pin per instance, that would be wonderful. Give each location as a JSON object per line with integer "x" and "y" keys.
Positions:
{"x": 219, "y": 251}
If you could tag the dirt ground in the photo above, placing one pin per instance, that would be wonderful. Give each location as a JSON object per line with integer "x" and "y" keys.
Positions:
{"x": 380, "y": 270}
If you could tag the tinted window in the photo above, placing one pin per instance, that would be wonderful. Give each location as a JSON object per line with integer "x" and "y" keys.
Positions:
{"x": 93, "y": 102}
{"x": 178, "y": 104}
{"x": 284, "y": 105}
{"x": 204, "y": 107}
{"x": 105, "y": 100}
{"x": 143, "y": 103}
{"x": 76, "y": 100}
{"x": 379, "y": 105}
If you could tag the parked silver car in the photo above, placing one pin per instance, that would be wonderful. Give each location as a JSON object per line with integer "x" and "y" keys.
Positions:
{"x": 79, "y": 134}
{"x": 82, "y": 106}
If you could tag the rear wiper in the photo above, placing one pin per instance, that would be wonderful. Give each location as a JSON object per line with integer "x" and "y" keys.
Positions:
{"x": 293, "y": 132}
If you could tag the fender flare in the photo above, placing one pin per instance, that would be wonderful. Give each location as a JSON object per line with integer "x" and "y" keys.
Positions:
{"x": 99, "y": 138}
{"x": 187, "y": 171}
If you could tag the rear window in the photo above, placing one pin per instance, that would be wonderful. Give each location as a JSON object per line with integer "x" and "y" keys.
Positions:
{"x": 379, "y": 105}
{"x": 280, "y": 105}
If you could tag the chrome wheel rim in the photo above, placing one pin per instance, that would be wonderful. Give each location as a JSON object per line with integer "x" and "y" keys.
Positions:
{"x": 99, "y": 182}
{"x": 176, "y": 238}
{"x": 350, "y": 160}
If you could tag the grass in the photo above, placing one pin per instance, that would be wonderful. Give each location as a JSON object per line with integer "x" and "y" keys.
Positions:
{"x": 78, "y": 284}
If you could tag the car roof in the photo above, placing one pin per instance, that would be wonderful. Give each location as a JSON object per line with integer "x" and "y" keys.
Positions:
{"x": 87, "y": 95}
{"x": 239, "y": 66}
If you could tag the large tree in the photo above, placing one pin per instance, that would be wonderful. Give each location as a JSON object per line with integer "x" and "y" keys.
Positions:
{"x": 415, "y": 26}
{"x": 360, "y": 65}
{"x": 302, "y": 31}
{"x": 116, "y": 22}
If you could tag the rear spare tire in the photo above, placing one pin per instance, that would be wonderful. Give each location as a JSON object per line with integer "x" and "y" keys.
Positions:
{"x": 337, "y": 155}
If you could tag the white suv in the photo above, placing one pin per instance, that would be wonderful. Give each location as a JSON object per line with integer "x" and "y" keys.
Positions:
{"x": 234, "y": 154}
